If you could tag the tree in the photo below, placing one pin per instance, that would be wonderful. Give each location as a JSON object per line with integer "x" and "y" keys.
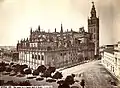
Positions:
{"x": 74, "y": 87}
{"x": 28, "y": 71}
{"x": 11, "y": 63}
{"x": 8, "y": 69}
{"x": 69, "y": 80}
{"x": 2, "y": 68}
{"x": 22, "y": 67}
{"x": 35, "y": 72}
{"x": 1, "y": 82}
{"x": 73, "y": 75}
{"x": 60, "y": 82}
{"x": 57, "y": 75}
{"x": 16, "y": 68}
{"x": 25, "y": 83}
{"x": 2, "y": 63}
{"x": 51, "y": 69}
{"x": 41, "y": 68}
{"x": 46, "y": 74}
{"x": 64, "y": 85}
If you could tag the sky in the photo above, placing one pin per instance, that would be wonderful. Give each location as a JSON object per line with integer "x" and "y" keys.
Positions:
{"x": 18, "y": 16}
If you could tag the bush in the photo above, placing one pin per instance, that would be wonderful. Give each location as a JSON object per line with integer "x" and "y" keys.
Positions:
{"x": 11, "y": 63}
{"x": 5, "y": 73}
{"x": 8, "y": 69}
{"x": 74, "y": 87}
{"x": 10, "y": 83}
{"x": 60, "y": 82}
{"x": 46, "y": 74}
{"x": 39, "y": 79}
{"x": 50, "y": 80}
{"x": 1, "y": 82}
{"x": 13, "y": 74}
{"x": 41, "y": 68}
{"x": 25, "y": 83}
{"x": 51, "y": 69}
{"x": 113, "y": 83}
{"x": 2, "y": 68}
{"x": 20, "y": 75}
{"x": 24, "y": 66}
{"x": 35, "y": 72}
{"x": 57, "y": 75}
{"x": 69, "y": 80}
{"x": 31, "y": 77}
{"x": 16, "y": 68}
{"x": 2, "y": 63}
{"x": 64, "y": 85}
{"x": 28, "y": 71}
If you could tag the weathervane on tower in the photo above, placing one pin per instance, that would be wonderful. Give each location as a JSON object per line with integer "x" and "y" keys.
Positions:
{"x": 92, "y": 2}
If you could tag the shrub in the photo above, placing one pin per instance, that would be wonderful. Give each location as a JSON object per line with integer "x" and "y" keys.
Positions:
{"x": 35, "y": 72}
{"x": 41, "y": 68}
{"x": 39, "y": 79}
{"x": 8, "y": 69}
{"x": 2, "y": 68}
{"x": 1, "y": 82}
{"x": 28, "y": 71}
{"x": 69, "y": 80}
{"x": 51, "y": 69}
{"x": 57, "y": 75}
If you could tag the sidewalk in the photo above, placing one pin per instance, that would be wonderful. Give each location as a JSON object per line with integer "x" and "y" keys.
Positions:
{"x": 113, "y": 76}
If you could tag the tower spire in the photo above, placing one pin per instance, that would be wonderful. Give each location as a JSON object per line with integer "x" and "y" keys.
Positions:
{"x": 39, "y": 27}
{"x": 92, "y": 2}
{"x": 31, "y": 31}
{"x": 55, "y": 29}
{"x": 93, "y": 11}
{"x": 61, "y": 31}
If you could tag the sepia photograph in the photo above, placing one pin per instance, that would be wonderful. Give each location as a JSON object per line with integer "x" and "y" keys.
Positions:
{"x": 59, "y": 43}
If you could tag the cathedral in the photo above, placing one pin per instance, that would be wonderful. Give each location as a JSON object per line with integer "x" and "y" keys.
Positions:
{"x": 60, "y": 49}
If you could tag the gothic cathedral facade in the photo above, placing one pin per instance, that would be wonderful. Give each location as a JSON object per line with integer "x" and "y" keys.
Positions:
{"x": 60, "y": 49}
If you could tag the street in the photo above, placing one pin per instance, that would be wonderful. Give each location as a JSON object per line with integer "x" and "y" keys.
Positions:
{"x": 95, "y": 75}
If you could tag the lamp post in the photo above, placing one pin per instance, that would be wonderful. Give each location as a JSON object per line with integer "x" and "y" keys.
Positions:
{"x": 82, "y": 83}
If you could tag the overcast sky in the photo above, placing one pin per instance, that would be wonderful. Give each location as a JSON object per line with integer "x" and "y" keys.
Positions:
{"x": 18, "y": 16}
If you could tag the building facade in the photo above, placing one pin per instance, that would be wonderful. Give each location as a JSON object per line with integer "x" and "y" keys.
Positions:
{"x": 57, "y": 49}
{"x": 111, "y": 59}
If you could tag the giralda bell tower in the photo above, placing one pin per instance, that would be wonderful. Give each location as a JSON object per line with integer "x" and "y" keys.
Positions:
{"x": 93, "y": 28}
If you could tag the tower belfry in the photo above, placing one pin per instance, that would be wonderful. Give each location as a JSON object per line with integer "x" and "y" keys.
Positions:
{"x": 93, "y": 28}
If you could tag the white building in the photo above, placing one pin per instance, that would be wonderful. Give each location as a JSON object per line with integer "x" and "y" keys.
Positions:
{"x": 111, "y": 59}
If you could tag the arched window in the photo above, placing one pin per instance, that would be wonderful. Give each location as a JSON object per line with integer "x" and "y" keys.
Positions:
{"x": 35, "y": 56}
{"x": 38, "y": 57}
{"x": 42, "y": 57}
{"x": 32, "y": 56}
{"x": 49, "y": 48}
{"x": 61, "y": 54}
